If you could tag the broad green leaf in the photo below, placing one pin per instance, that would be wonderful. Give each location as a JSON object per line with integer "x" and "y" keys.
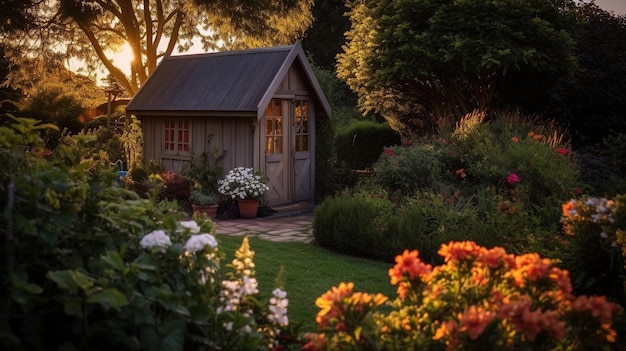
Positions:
{"x": 111, "y": 297}
{"x": 114, "y": 260}
{"x": 71, "y": 280}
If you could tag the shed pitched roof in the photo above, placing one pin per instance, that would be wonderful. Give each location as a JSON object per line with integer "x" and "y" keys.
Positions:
{"x": 231, "y": 81}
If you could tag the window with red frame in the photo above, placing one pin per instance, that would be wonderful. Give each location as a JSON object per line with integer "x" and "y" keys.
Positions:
{"x": 177, "y": 136}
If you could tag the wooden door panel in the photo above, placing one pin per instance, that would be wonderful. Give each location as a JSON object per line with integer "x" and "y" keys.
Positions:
{"x": 302, "y": 177}
{"x": 275, "y": 172}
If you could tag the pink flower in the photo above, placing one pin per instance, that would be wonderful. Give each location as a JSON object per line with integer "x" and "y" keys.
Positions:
{"x": 512, "y": 179}
{"x": 389, "y": 152}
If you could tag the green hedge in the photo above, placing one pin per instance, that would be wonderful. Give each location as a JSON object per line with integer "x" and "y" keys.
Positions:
{"x": 360, "y": 144}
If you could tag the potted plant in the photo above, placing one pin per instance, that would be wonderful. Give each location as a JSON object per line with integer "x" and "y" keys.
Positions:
{"x": 245, "y": 186}
{"x": 204, "y": 203}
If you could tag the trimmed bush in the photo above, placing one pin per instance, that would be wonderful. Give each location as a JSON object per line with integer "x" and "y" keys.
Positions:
{"x": 354, "y": 224}
{"x": 360, "y": 144}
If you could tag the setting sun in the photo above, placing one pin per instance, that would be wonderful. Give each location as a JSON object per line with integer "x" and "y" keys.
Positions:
{"x": 122, "y": 57}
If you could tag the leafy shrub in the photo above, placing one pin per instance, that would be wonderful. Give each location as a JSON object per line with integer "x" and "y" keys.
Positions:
{"x": 427, "y": 221}
{"x": 480, "y": 299}
{"x": 176, "y": 187}
{"x": 205, "y": 169}
{"x": 326, "y": 180}
{"x": 497, "y": 181}
{"x": 406, "y": 170}
{"x": 360, "y": 144}
{"x": 138, "y": 174}
{"x": 354, "y": 224}
{"x": 90, "y": 265}
{"x": 594, "y": 249}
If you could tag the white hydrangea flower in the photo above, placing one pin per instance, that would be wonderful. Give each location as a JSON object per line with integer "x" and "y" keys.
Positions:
{"x": 191, "y": 225}
{"x": 198, "y": 242}
{"x": 156, "y": 239}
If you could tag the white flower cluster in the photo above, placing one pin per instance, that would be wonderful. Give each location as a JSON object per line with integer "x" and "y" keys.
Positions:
{"x": 192, "y": 226}
{"x": 157, "y": 240}
{"x": 197, "y": 242}
{"x": 243, "y": 183}
{"x": 233, "y": 291}
{"x": 278, "y": 308}
{"x": 604, "y": 209}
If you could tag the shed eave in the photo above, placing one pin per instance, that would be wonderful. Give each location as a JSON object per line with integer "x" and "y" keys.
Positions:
{"x": 203, "y": 113}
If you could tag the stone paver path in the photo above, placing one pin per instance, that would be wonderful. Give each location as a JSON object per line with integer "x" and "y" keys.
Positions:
{"x": 275, "y": 227}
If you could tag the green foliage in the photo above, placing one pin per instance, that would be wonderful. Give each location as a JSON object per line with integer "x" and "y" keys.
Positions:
{"x": 81, "y": 273}
{"x": 138, "y": 174}
{"x": 360, "y": 144}
{"x": 132, "y": 140}
{"x": 176, "y": 187}
{"x": 84, "y": 30}
{"x": 325, "y": 159}
{"x": 406, "y": 170}
{"x": 360, "y": 229}
{"x": 417, "y": 62}
{"x": 201, "y": 199}
{"x": 205, "y": 169}
{"x": 591, "y": 96}
{"x": 496, "y": 182}
{"x": 594, "y": 247}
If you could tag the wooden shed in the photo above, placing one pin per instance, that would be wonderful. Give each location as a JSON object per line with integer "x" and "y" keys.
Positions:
{"x": 258, "y": 105}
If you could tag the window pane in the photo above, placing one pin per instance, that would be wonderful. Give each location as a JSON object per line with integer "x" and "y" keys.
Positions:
{"x": 278, "y": 126}
{"x": 278, "y": 145}
{"x": 269, "y": 126}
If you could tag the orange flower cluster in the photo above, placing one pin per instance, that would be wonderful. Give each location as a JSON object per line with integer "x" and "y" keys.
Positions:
{"x": 532, "y": 322}
{"x": 335, "y": 302}
{"x": 534, "y": 136}
{"x": 482, "y": 296}
{"x": 408, "y": 268}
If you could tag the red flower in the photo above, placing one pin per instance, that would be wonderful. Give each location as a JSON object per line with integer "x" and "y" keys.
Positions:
{"x": 513, "y": 179}
{"x": 563, "y": 151}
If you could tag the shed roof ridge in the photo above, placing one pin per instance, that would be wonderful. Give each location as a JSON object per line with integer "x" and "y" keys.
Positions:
{"x": 230, "y": 52}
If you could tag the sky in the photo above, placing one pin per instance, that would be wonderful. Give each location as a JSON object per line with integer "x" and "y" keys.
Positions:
{"x": 616, "y": 6}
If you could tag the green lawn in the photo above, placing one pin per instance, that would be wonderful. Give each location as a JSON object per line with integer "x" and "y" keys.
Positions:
{"x": 307, "y": 272}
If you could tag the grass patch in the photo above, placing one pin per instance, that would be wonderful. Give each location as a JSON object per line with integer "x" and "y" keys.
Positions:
{"x": 306, "y": 271}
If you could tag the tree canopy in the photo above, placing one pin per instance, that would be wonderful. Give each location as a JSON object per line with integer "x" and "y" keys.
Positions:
{"x": 418, "y": 62}
{"x": 85, "y": 29}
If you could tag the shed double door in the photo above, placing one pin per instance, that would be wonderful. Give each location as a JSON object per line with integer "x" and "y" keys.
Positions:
{"x": 288, "y": 161}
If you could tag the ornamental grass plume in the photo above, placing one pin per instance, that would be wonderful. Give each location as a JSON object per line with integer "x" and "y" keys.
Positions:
{"x": 479, "y": 299}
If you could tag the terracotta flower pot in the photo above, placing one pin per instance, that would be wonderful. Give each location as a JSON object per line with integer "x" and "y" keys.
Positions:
{"x": 248, "y": 208}
{"x": 210, "y": 210}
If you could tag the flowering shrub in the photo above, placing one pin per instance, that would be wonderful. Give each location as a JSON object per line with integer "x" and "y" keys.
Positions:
{"x": 177, "y": 280}
{"x": 243, "y": 183}
{"x": 596, "y": 244}
{"x": 98, "y": 268}
{"x": 480, "y": 299}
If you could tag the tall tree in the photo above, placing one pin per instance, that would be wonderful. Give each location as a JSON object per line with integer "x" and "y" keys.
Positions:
{"x": 16, "y": 15}
{"x": 421, "y": 61}
{"x": 323, "y": 41}
{"x": 595, "y": 105}
{"x": 85, "y": 29}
